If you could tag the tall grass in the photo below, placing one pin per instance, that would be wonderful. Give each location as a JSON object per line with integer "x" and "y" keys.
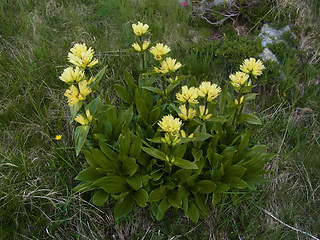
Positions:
{"x": 37, "y": 172}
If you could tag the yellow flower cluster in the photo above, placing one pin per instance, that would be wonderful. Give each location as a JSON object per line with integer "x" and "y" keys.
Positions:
{"x": 209, "y": 91}
{"x": 168, "y": 65}
{"x": 84, "y": 120}
{"x": 186, "y": 113}
{"x": 252, "y": 66}
{"x": 238, "y": 79}
{"x": 81, "y": 56}
{"x": 71, "y": 75}
{"x": 76, "y": 94}
{"x": 140, "y": 29}
{"x": 189, "y": 95}
{"x": 159, "y": 51}
{"x": 170, "y": 125}
{"x": 203, "y": 113}
{"x": 144, "y": 47}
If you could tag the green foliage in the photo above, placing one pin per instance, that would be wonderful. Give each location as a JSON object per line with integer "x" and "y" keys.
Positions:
{"x": 188, "y": 167}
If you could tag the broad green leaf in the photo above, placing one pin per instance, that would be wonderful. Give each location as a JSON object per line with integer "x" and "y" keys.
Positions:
{"x": 250, "y": 118}
{"x": 249, "y": 96}
{"x": 81, "y": 134}
{"x": 193, "y": 212}
{"x": 88, "y": 175}
{"x": 201, "y": 136}
{"x": 123, "y": 208}
{"x": 234, "y": 171}
{"x": 74, "y": 110}
{"x": 82, "y": 187}
{"x": 90, "y": 158}
{"x": 141, "y": 105}
{"x": 122, "y": 93}
{"x": 129, "y": 166}
{"x": 103, "y": 160}
{"x": 179, "y": 150}
{"x": 112, "y": 184}
{"x": 100, "y": 197}
{"x": 222, "y": 187}
{"x": 153, "y": 116}
{"x": 135, "y": 181}
{"x": 125, "y": 141}
{"x": 128, "y": 114}
{"x": 206, "y": 186}
{"x": 157, "y": 194}
{"x": 162, "y": 209}
{"x": 156, "y": 175}
{"x": 244, "y": 141}
{"x": 174, "y": 199}
{"x": 130, "y": 81}
{"x": 185, "y": 164}
{"x": 218, "y": 119}
{"x": 154, "y": 89}
{"x": 93, "y": 106}
{"x": 200, "y": 200}
{"x": 216, "y": 198}
{"x": 237, "y": 182}
{"x": 111, "y": 154}
{"x": 98, "y": 78}
{"x": 182, "y": 175}
{"x": 135, "y": 148}
{"x": 141, "y": 197}
{"x": 155, "y": 153}
{"x": 197, "y": 154}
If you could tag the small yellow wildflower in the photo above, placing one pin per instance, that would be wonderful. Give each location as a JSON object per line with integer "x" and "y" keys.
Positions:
{"x": 136, "y": 47}
{"x": 84, "y": 90}
{"x": 58, "y": 137}
{"x": 186, "y": 114}
{"x": 71, "y": 75}
{"x": 168, "y": 65}
{"x": 81, "y": 56}
{"x": 252, "y": 66}
{"x": 84, "y": 120}
{"x": 159, "y": 50}
{"x": 91, "y": 80}
{"x": 188, "y": 95}
{"x": 140, "y": 28}
{"x": 208, "y": 90}
{"x": 238, "y": 79}
{"x": 170, "y": 124}
{"x": 204, "y": 113}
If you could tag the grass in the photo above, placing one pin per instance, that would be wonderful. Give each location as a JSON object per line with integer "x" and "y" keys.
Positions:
{"x": 37, "y": 173}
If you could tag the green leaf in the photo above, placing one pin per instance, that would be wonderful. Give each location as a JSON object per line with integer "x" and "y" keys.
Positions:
{"x": 81, "y": 134}
{"x": 153, "y": 116}
{"x": 162, "y": 209}
{"x": 234, "y": 171}
{"x": 82, "y": 187}
{"x": 250, "y": 118}
{"x": 174, "y": 199}
{"x": 100, "y": 197}
{"x": 222, "y": 187}
{"x": 157, "y": 194}
{"x": 98, "y": 78}
{"x": 206, "y": 186}
{"x": 74, "y": 110}
{"x": 216, "y": 198}
{"x": 125, "y": 141}
{"x": 201, "y": 203}
{"x": 179, "y": 150}
{"x": 112, "y": 184}
{"x": 154, "y": 89}
{"x": 141, "y": 105}
{"x": 249, "y": 96}
{"x": 123, "y": 93}
{"x": 130, "y": 81}
{"x": 141, "y": 197}
{"x": 155, "y": 153}
{"x": 201, "y": 136}
{"x": 127, "y": 115}
{"x": 244, "y": 141}
{"x": 193, "y": 212}
{"x": 135, "y": 181}
{"x": 182, "y": 175}
{"x": 123, "y": 208}
{"x": 129, "y": 166}
{"x": 108, "y": 151}
{"x": 93, "y": 106}
{"x": 135, "y": 148}
{"x": 88, "y": 175}
{"x": 185, "y": 164}
{"x": 90, "y": 159}
{"x": 103, "y": 160}
{"x": 237, "y": 182}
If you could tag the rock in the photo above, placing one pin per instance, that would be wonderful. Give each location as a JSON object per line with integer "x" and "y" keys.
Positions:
{"x": 268, "y": 55}
{"x": 270, "y": 35}
{"x": 220, "y": 2}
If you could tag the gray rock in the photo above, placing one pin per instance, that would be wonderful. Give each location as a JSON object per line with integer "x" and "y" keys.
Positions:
{"x": 220, "y": 2}
{"x": 268, "y": 55}
{"x": 270, "y": 35}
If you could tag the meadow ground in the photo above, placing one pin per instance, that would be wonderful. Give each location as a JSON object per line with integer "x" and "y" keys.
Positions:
{"x": 37, "y": 172}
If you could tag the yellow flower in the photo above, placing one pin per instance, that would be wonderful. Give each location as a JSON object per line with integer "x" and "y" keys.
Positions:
{"x": 188, "y": 95}
{"x": 140, "y": 28}
{"x": 209, "y": 91}
{"x": 91, "y": 80}
{"x": 145, "y": 45}
{"x": 84, "y": 120}
{"x": 159, "y": 50}
{"x": 136, "y": 47}
{"x": 238, "y": 79}
{"x": 75, "y": 95}
{"x": 186, "y": 114}
{"x": 71, "y": 75}
{"x": 80, "y": 56}
{"x": 204, "y": 113}
{"x": 170, "y": 124}
{"x": 252, "y": 66}
{"x": 58, "y": 137}
{"x": 168, "y": 65}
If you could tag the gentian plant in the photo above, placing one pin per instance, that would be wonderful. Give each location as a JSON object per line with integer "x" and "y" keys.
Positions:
{"x": 164, "y": 146}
